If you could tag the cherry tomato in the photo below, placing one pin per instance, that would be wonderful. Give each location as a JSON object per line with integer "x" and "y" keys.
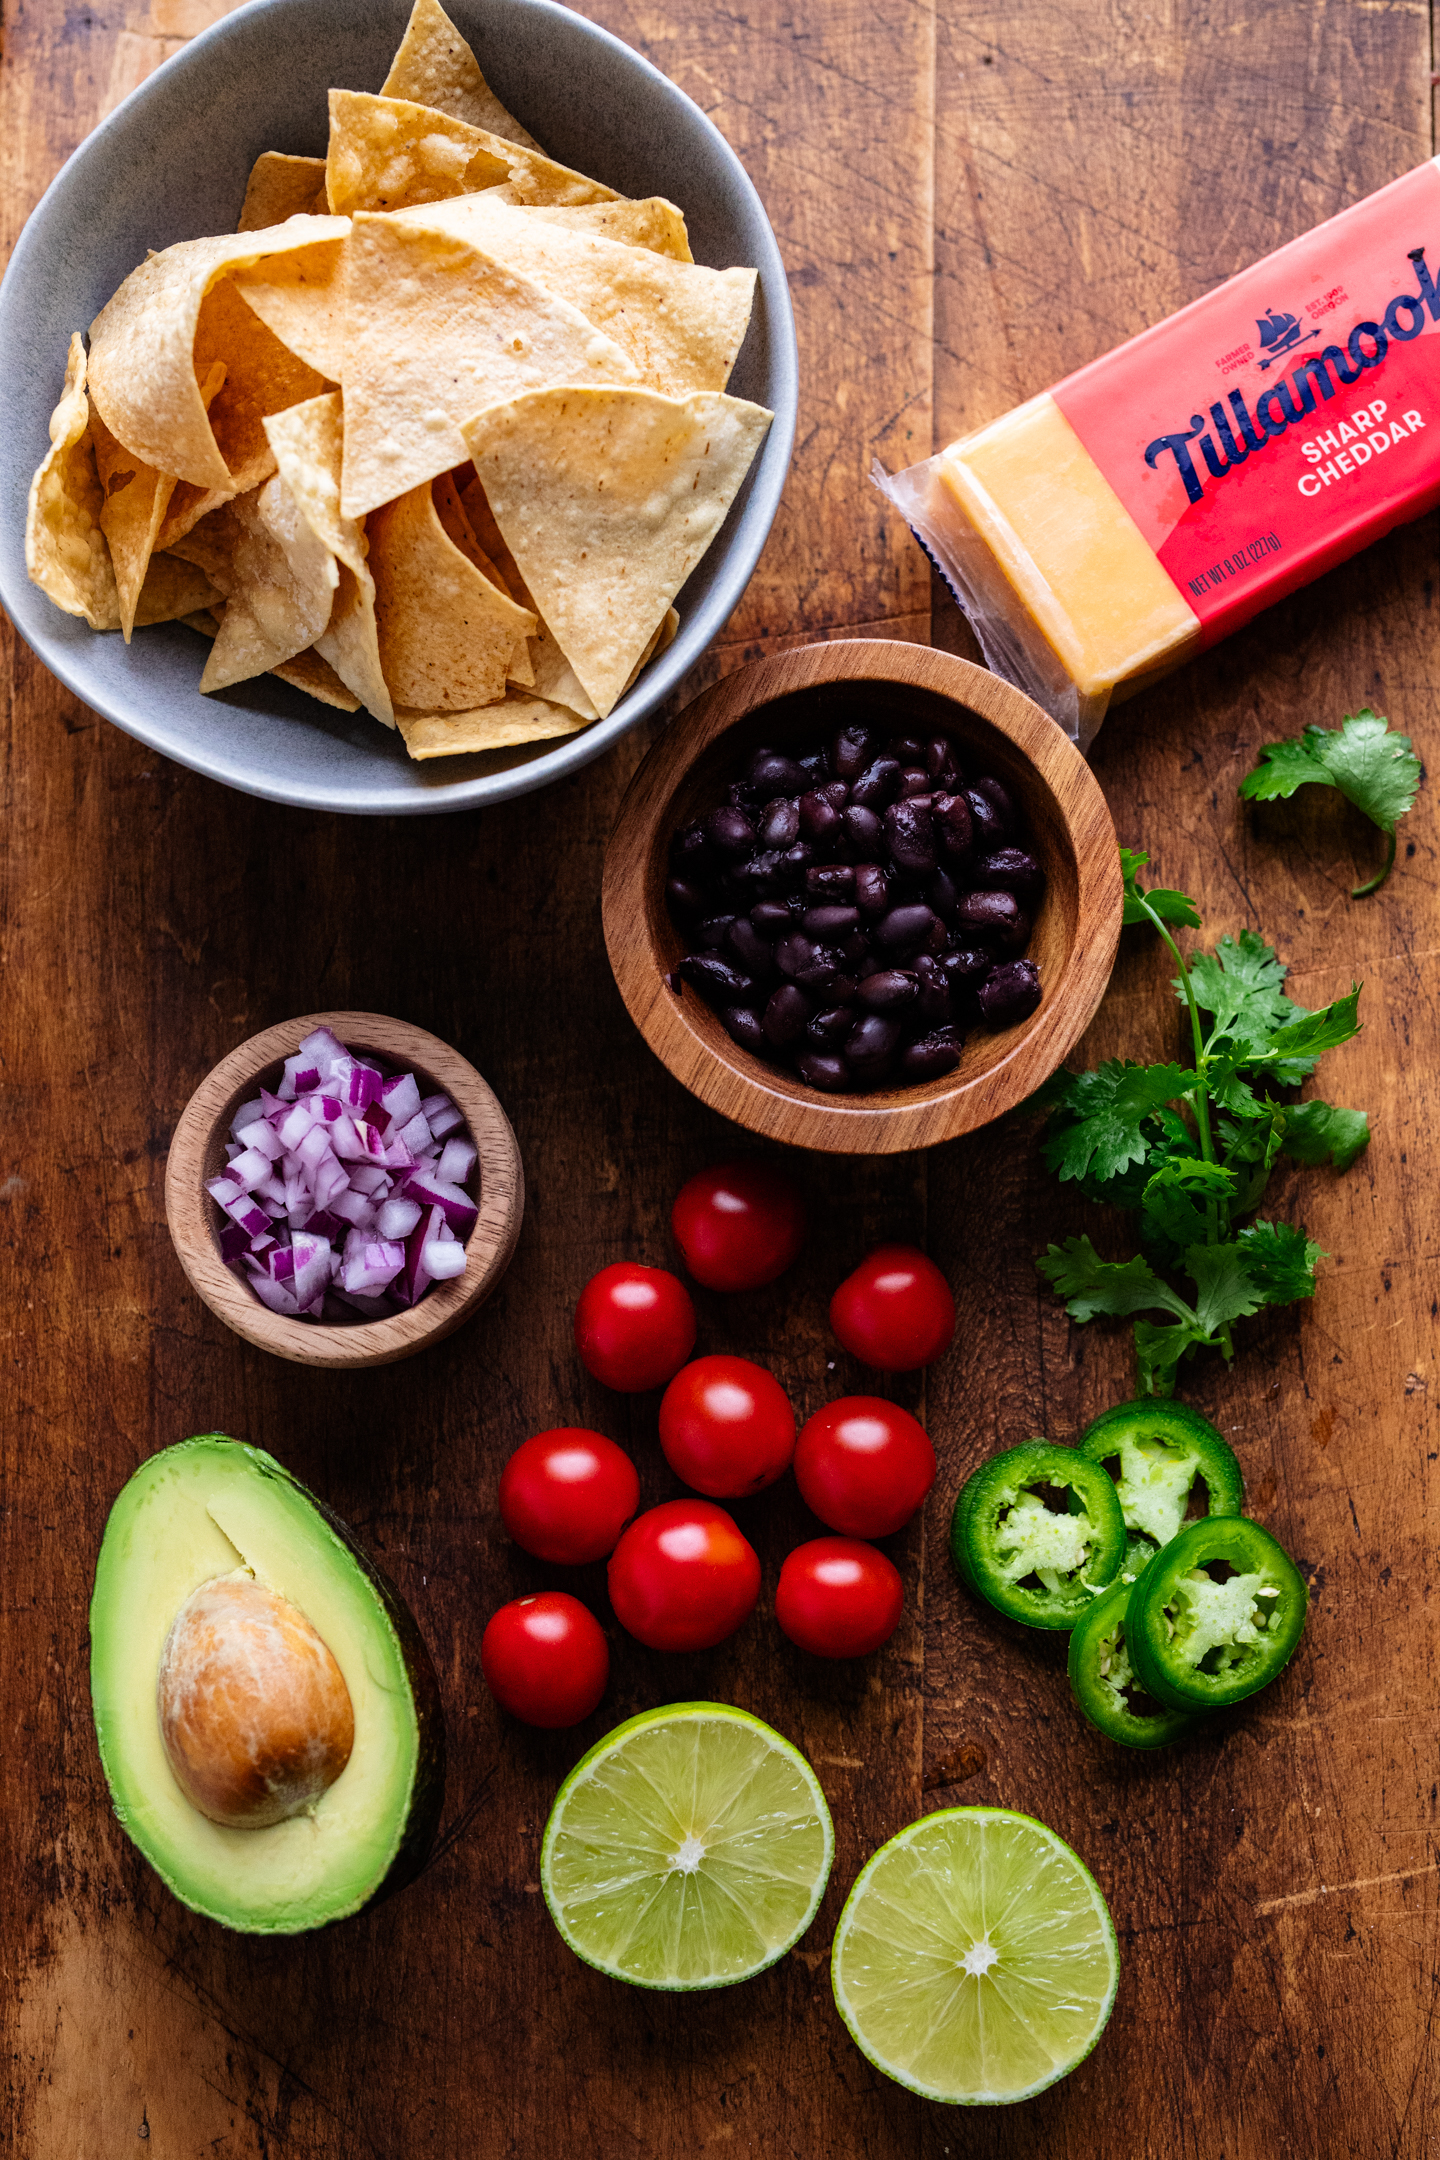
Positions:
{"x": 566, "y": 1495}
{"x": 738, "y": 1225}
{"x": 839, "y": 1598}
{"x": 726, "y": 1426}
{"x": 682, "y": 1577}
{"x": 895, "y": 1311}
{"x": 545, "y": 1659}
{"x": 863, "y": 1466}
{"x": 634, "y": 1326}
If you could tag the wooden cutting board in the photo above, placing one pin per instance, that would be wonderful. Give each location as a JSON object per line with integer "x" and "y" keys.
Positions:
{"x": 971, "y": 201}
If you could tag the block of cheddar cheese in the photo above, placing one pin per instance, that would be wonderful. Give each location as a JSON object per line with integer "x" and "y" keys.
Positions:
{"x": 1143, "y": 508}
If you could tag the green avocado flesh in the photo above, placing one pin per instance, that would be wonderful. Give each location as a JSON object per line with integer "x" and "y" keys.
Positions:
{"x": 205, "y": 1508}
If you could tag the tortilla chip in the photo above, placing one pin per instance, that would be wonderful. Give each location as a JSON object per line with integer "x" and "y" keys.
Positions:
{"x": 385, "y": 153}
{"x": 607, "y": 500}
{"x": 146, "y": 347}
{"x": 65, "y": 549}
{"x": 173, "y": 590}
{"x": 457, "y": 527}
{"x": 682, "y": 324}
{"x": 307, "y": 671}
{"x": 308, "y": 445}
{"x": 278, "y": 579}
{"x": 492, "y": 727}
{"x": 446, "y": 633}
{"x": 438, "y": 328}
{"x": 300, "y": 298}
{"x": 435, "y": 66}
{"x": 651, "y": 223}
{"x": 137, "y": 500}
{"x": 281, "y": 187}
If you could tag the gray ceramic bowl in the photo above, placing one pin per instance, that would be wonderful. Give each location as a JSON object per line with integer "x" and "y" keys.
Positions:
{"x": 170, "y": 164}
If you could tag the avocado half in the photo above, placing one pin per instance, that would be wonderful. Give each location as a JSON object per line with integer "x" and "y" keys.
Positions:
{"x": 206, "y": 1507}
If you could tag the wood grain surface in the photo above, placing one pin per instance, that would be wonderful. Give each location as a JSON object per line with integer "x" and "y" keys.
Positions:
{"x": 970, "y": 199}
{"x": 789, "y": 699}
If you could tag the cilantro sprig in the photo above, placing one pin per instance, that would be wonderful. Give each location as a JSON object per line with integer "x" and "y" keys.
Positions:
{"x": 1190, "y": 1148}
{"x": 1376, "y": 770}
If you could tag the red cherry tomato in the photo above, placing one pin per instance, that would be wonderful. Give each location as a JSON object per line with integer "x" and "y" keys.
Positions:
{"x": 895, "y": 1311}
{"x": 545, "y": 1659}
{"x": 863, "y": 1466}
{"x": 726, "y": 1426}
{"x": 839, "y": 1598}
{"x": 566, "y": 1495}
{"x": 634, "y": 1326}
{"x": 682, "y": 1577}
{"x": 738, "y": 1225}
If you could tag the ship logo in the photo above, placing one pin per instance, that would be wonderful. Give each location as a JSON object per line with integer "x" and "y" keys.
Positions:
{"x": 1279, "y": 335}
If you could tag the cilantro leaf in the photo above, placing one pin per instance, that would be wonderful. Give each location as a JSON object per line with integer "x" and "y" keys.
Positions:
{"x": 1178, "y": 1202}
{"x": 1316, "y": 1132}
{"x": 1226, "y": 1289}
{"x": 1373, "y": 768}
{"x": 1131, "y": 861}
{"x": 1140, "y": 906}
{"x": 1173, "y": 907}
{"x": 1310, "y": 1037}
{"x": 1090, "y": 1285}
{"x": 1280, "y": 1261}
{"x": 1158, "y": 1351}
{"x": 1097, "y": 1130}
{"x": 1242, "y": 985}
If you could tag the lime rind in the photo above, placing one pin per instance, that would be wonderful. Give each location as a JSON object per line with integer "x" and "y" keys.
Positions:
{"x": 975, "y": 1962}
{"x": 689, "y": 1849}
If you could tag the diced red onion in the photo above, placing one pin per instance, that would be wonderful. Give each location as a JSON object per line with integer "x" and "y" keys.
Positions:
{"x": 441, "y": 1115}
{"x": 397, "y": 1218}
{"x": 258, "y": 1133}
{"x": 457, "y": 1160}
{"x": 234, "y": 1241}
{"x": 278, "y": 1296}
{"x": 250, "y": 1166}
{"x": 459, "y": 1209}
{"x": 416, "y": 1134}
{"x": 223, "y": 1190}
{"x": 443, "y": 1258}
{"x": 250, "y": 1113}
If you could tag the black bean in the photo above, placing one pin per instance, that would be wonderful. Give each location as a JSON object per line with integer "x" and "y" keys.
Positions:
{"x": 910, "y": 836}
{"x": 794, "y": 951}
{"x": 711, "y": 933}
{"x": 871, "y": 1045}
{"x": 944, "y": 895}
{"x": 779, "y": 824}
{"x": 965, "y": 968}
{"x": 863, "y": 829}
{"x": 851, "y": 751}
{"x": 1011, "y": 869}
{"x": 730, "y": 831}
{"x": 1001, "y": 801}
{"x": 937, "y": 755}
{"x": 878, "y": 785}
{"x": 786, "y": 1015}
{"x": 904, "y": 929}
{"x": 749, "y": 801}
{"x": 991, "y": 831}
{"x": 991, "y": 917}
{"x": 940, "y": 939}
{"x": 743, "y": 1026}
{"x": 872, "y": 889}
{"x": 772, "y": 773}
{"x": 832, "y": 924}
{"x": 822, "y": 1069}
{"x": 954, "y": 825}
{"x": 830, "y": 1026}
{"x": 906, "y": 749}
{"x": 814, "y": 967}
{"x": 836, "y": 793}
{"x": 856, "y": 954}
{"x": 888, "y": 990}
{"x": 689, "y": 898}
{"x": 819, "y": 819}
{"x": 831, "y": 884}
{"x": 772, "y": 918}
{"x": 815, "y": 768}
{"x": 914, "y": 781}
{"x": 759, "y": 877}
{"x": 793, "y": 863}
{"x": 934, "y": 1004}
{"x": 1010, "y": 993}
{"x": 950, "y": 779}
{"x": 929, "y": 1058}
{"x": 750, "y": 951}
{"x": 715, "y": 979}
{"x": 690, "y": 851}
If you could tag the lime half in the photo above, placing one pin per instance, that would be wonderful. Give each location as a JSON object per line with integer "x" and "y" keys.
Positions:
{"x": 689, "y": 1849}
{"x": 975, "y": 1960}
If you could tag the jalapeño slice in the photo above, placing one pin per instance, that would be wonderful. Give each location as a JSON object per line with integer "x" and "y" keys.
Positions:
{"x": 1038, "y": 1530}
{"x": 1167, "y": 1462}
{"x": 1216, "y": 1615}
{"x": 1103, "y": 1681}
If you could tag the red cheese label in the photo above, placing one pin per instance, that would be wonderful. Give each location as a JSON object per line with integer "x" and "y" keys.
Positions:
{"x": 1280, "y": 424}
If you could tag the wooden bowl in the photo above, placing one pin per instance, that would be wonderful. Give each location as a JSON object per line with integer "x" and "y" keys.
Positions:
{"x": 197, "y": 1153}
{"x": 806, "y": 694}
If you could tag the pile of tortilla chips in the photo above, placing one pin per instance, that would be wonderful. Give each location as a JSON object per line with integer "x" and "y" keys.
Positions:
{"x": 441, "y": 430}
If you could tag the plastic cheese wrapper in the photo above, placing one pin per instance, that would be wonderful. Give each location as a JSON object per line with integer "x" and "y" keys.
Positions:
{"x": 1157, "y": 499}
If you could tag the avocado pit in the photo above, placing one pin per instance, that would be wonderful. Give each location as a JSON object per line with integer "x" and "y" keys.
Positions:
{"x": 254, "y": 1712}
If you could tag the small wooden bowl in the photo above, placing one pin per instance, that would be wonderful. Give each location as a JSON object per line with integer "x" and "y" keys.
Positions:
{"x": 808, "y": 693}
{"x": 197, "y": 1153}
